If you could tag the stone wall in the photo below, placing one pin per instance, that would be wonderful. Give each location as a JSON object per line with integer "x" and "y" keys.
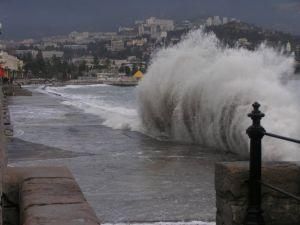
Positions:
{"x": 3, "y": 161}
{"x": 232, "y": 192}
{"x": 45, "y": 195}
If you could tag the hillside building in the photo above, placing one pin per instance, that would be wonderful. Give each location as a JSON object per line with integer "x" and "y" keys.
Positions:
{"x": 155, "y": 27}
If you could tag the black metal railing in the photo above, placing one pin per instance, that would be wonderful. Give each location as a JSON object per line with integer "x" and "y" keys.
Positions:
{"x": 256, "y": 132}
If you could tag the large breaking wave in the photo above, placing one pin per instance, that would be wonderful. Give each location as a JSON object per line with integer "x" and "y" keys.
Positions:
{"x": 198, "y": 91}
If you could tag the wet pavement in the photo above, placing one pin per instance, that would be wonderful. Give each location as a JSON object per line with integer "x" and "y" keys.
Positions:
{"x": 125, "y": 176}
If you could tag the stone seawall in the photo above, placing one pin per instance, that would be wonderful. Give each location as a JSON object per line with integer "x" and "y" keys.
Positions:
{"x": 232, "y": 193}
{"x": 3, "y": 161}
{"x": 45, "y": 195}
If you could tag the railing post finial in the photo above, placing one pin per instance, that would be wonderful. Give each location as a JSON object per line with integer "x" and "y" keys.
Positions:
{"x": 255, "y": 132}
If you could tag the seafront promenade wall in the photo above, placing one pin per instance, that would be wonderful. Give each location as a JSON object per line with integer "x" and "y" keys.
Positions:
{"x": 37, "y": 196}
{"x": 3, "y": 161}
{"x": 232, "y": 193}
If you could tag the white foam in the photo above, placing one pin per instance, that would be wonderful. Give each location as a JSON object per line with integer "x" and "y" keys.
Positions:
{"x": 200, "y": 92}
{"x": 116, "y": 117}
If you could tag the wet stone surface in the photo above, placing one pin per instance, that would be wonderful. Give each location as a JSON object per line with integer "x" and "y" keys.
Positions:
{"x": 125, "y": 176}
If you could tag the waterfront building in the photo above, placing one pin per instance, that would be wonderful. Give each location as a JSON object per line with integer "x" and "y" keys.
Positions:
{"x": 217, "y": 21}
{"x": 76, "y": 47}
{"x": 288, "y": 47}
{"x": 88, "y": 60}
{"x": 49, "y": 44}
{"x": 22, "y": 53}
{"x": 106, "y": 75}
{"x": 209, "y": 21}
{"x": 50, "y": 54}
{"x": 297, "y": 53}
{"x": 11, "y": 64}
{"x": 243, "y": 42}
{"x": 137, "y": 42}
{"x": 154, "y": 27}
{"x": 27, "y": 42}
{"x": 119, "y": 62}
{"x": 117, "y": 45}
{"x": 225, "y": 20}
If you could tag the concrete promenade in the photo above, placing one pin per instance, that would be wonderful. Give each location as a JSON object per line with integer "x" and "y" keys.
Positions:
{"x": 37, "y": 196}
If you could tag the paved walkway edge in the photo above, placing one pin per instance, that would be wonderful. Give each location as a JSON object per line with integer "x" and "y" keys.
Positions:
{"x": 46, "y": 196}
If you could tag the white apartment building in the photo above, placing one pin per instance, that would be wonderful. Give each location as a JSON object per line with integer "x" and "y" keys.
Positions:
{"x": 217, "y": 21}
{"x": 154, "y": 27}
{"x": 79, "y": 36}
{"x": 209, "y": 21}
{"x": 21, "y": 53}
{"x": 225, "y": 20}
{"x": 10, "y": 62}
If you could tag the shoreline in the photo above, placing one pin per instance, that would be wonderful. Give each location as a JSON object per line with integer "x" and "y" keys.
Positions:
{"x": 113, "y": 82}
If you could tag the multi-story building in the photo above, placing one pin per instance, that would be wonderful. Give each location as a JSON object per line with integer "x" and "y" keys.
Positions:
{"x": 136, "y": 42}
{"x": 77, "y": 36}
{"x": 288, "y": 47}
{"x": 50, "y": 54}
{"x": 209, "y": 22}
{"x": 225, "y": 20}
{"x": 217, "y": 21}
{"x": 10, "y": 62}
{"x": 155, "y": 27}
{"x": 88, "y": 60}
{"x": 76, "y": 47}
{"x": 117, "y": 45}
{"x": 22, "y": 53}
{"x": 297, "y": 53}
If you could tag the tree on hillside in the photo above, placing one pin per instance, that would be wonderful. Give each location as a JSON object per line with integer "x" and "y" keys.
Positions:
{"x": 96, "y": 62}
{"x": 127, "y": 71}
{"x": 82, "y": 67}
{"x": 40, "y": 65}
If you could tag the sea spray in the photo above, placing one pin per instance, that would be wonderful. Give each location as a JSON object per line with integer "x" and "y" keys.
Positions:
{"x": 199, "y": 91}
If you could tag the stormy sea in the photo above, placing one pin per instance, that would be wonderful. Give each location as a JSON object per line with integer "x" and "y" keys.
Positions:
{"x": 146, "y": 154}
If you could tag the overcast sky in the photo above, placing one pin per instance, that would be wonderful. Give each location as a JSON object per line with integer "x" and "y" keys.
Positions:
{"x": 37, "y": 18}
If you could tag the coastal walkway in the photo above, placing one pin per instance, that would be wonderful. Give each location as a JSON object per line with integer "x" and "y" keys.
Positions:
{"x": 125, "y": 176}
{"x": 38, "y": 195}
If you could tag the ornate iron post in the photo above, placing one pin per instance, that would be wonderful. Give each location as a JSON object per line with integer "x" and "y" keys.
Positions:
{"x": 255, "y": 133}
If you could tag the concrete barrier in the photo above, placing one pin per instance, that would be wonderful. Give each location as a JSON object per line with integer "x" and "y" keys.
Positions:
{"x": 46, "y": 196}
{"x": 232, "y": 193}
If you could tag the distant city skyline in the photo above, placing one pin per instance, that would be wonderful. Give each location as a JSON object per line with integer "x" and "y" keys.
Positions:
{"x": 36, "y": 19}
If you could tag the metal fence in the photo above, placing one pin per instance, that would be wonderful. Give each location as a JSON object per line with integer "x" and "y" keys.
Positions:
{"x": 256, "y": 132}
